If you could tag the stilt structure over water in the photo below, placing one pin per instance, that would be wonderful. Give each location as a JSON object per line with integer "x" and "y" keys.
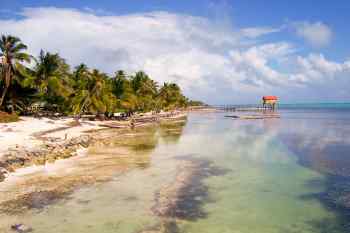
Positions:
{"x": 269, "y": 102}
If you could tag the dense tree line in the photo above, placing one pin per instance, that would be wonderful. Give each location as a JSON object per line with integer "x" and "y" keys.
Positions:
{"x": 48, "y": 79}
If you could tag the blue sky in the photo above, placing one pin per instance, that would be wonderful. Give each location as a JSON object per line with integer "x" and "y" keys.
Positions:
{"x": 228, "y": 51}
{"x": 242, "y": 13}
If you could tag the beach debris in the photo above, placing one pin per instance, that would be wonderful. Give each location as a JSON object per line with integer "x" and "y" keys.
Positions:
{"x": 21, "y": 228}
{"x": 2, "y": 176}
{"x": 3, "y": 173}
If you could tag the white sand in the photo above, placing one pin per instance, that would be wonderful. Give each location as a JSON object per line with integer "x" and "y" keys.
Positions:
{"x": 21, "y": 134}
{"x": 48, "y": 168}
{"x": 76, "y": 131}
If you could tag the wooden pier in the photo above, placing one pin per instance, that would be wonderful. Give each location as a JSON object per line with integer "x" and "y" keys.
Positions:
{"x": 236, "y": 108}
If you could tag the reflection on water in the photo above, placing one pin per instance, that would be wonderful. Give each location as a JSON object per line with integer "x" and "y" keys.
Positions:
{"x": 323, "y": 144}
{"x": 209, "y": 175}
{"x": 25, "y": 196}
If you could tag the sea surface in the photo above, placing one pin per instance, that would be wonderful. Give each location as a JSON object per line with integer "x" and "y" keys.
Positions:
{"x": 280, "y": 175}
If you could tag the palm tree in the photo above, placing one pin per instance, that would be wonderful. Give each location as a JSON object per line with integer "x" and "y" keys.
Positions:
{"x": 94, "y": 95}
{"x": 12, "y": 57}
{"x": 52, "y": 81}
{"x": 145, "y": 89}
{"x": 52, "y": 77}
{"x": 170, "y": 96}
{"x": 80, "y": 73}
{"x": 122, "y": 89}
{"x": 119, "y": 84}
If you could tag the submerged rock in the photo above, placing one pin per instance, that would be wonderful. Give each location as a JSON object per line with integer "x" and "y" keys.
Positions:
{"x": 2, "y": 176}
{"x": 50, "y": 151}
{"x": 34, "y": 200}
{"x": 21, "y": 228}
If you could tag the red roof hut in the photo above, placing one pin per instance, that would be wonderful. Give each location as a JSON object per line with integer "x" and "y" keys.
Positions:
{"x": 269, "y": 101}
{"x": 270, "y": 97}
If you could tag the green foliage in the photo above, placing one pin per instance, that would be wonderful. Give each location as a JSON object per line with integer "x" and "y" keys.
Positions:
{"x": 51, "y": 77}
{"x": 80, "y": 91}
{"x": 12, "y": 70}
{"x": 195, "y": 103}
{"x": 171, "y": 97}
{"x": 93, "y": 94}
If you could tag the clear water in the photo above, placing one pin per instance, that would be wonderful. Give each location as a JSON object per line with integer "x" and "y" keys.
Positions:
{"x": 279, "y": 173}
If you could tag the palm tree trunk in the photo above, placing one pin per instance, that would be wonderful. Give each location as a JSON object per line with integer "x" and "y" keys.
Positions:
{"x": 83, "y": 106}
{"x": 3, "y": 96}
{"x": 7, "y": 83}
{"x": 86, "y": 101}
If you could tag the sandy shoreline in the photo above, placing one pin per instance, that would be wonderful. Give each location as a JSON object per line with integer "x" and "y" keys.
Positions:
{"x": 110, "y": 153}
{"x": 23, "y": 134}
{"x": 31, "y": 140}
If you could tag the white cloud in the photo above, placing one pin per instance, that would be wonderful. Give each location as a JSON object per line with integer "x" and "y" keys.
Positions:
{"x": 317, "y": 34}
{"x": 215, "y": 64}
{"x": 253, "y": 64}
{"x": 320, "y": 63}
{"x": 254, "y": 32}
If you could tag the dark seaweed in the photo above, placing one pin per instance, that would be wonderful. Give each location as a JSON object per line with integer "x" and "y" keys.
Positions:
{"x": 35, "y": 200}
{"x": 192, "y": 196}
{"x": 190, "y": 199}
{"x": 336, "y": 198}
{"x": 333, "y": 161}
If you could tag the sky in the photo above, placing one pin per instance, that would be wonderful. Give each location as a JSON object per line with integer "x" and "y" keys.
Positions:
{"x": 220, "y": 52}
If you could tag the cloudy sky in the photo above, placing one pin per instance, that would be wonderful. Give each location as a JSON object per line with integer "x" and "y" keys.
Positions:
{"x": 217, "y": 51}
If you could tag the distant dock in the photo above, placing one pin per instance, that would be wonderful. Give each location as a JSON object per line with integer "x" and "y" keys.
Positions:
{"x": 234, "y": 108}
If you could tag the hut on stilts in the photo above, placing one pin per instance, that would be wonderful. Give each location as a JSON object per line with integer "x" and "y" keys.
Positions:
{"x": 270, "y": 102}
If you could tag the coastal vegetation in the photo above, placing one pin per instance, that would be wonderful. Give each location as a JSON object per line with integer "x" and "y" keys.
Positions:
{"x": 48, "y": 82}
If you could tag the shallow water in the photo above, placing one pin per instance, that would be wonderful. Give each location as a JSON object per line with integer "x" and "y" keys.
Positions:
{"x": 275, "y": 175}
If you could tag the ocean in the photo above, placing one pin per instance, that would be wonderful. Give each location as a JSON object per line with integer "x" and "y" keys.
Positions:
{"x": 211, "y": 174}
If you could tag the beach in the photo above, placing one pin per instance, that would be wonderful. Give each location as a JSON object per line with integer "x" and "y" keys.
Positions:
{"x": 174, "y": 117}
{"x": 25, "y": 133}
{"x": 22, "y": 141}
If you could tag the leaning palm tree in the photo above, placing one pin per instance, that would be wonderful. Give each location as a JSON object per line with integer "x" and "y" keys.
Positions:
{"x": 93, "y": 96}
{"x": 12, "y": 58}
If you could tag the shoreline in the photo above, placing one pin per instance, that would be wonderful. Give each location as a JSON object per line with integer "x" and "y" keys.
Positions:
{"x": 33, "y": 141}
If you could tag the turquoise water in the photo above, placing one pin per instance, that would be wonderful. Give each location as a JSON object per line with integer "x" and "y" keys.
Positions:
{"x": 306, "y": 106}
{"x": 313, "y": 106}
{"x": 283, "y": 175}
